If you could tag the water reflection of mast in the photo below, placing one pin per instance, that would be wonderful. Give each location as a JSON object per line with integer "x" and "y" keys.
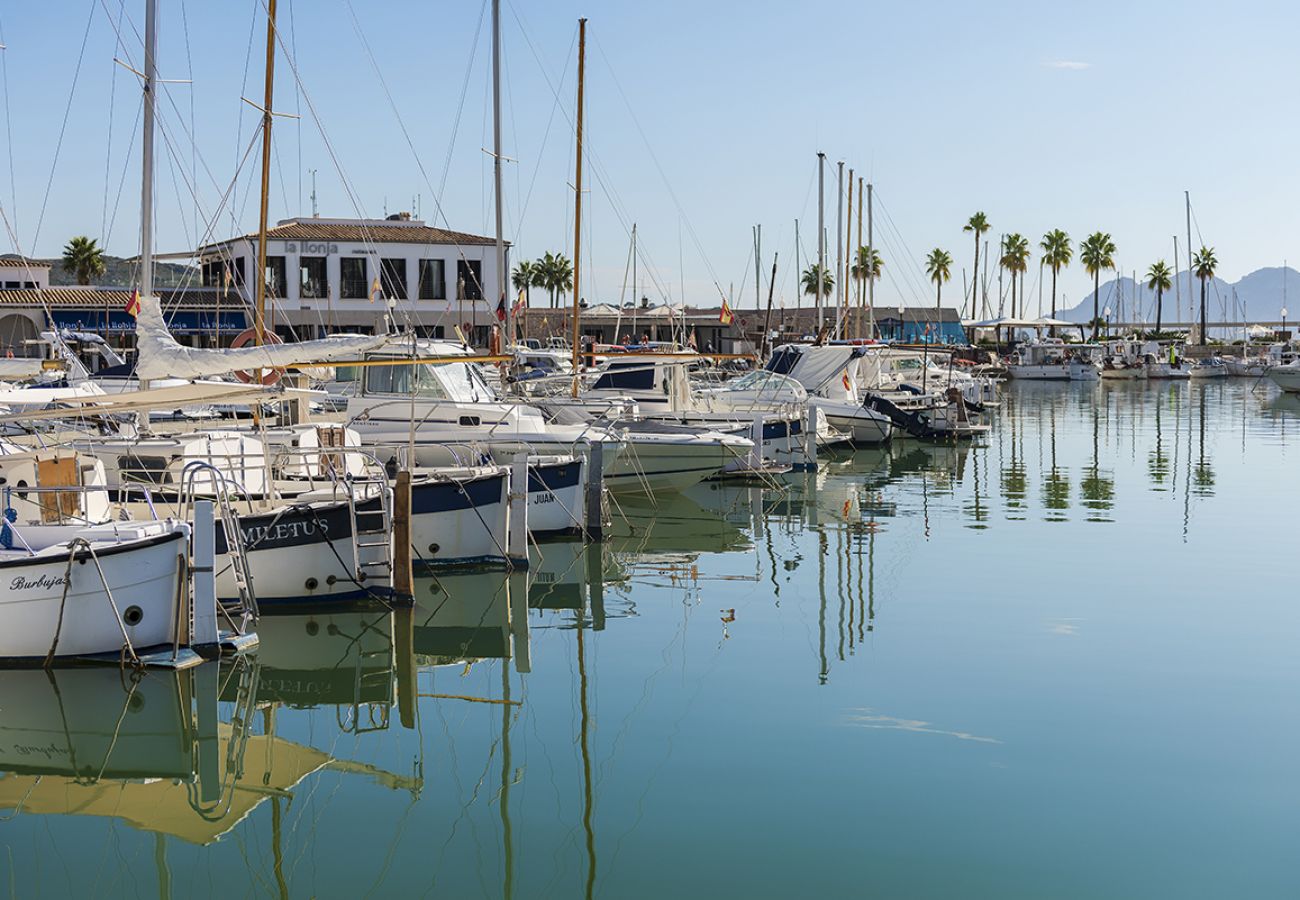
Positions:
{"x": 507, "y": 836}
{"x": 584, "y": 729}
{"x": 824, "y": 675}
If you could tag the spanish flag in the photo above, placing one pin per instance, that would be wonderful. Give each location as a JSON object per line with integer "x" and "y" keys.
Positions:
{"x": 133, "y": 305}
{"x": 726, "y": 317}
{"x": 375, "y": 290}
{"x": 848, "y": 384}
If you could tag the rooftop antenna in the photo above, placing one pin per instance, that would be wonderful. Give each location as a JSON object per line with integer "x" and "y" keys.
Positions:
{"x": 314, "y": 213}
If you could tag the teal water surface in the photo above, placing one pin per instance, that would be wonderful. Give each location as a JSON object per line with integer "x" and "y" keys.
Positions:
{"x": 1059, "y": 662}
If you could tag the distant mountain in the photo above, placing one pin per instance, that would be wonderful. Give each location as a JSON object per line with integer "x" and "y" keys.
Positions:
{"x": 120, "y": 272}
{"x": 1257, "y": 297}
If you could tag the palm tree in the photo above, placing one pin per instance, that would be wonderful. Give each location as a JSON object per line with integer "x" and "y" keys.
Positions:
{"x": 524, "y": 277}
{"x": 938, "y": 265}
{"x": 1097, "y": 253}
{"x": 1015, "y": 259}
{"x": 1057, "y": 254}
{"x": 1204, "y": 264}
{"x": 867, "y": 265}
{"x": 978, "y": 224}
{"x": 810, "y": 281}
{"x": 83, "y": 257}
{"x": 560, "y": 278}
{"x": 1159, "y": 279}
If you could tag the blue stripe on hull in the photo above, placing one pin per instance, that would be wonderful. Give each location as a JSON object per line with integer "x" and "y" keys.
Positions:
{"x": 552, "y": 478}
{"x": 449, "y": 496}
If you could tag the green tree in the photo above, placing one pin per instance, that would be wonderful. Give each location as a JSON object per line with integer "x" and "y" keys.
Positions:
{"x": 1097, "y": 254}
{"x": 556, "y": 275}
{"x": 1057, "y": 254}
{"x": 809, "y": 280}
{"x": 1015, "y": 259}
{"x": 977, "y": 224}
{"x": 524, "y": 278}
{"x": 938, "y": 265}
{"x": 83, "y": 257}
{"x": 867, "y": 264}
{"x": 1159, "y": 279}
{"x": 1203, "y": 264}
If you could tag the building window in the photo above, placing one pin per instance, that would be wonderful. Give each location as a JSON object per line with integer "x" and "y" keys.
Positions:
{"x": 433, "y": 279}
{"x": 352, "y": 277}
{"x": 277, "y": 280}
{"x": 469, "y": 278}
{"x": 312, "y": 281}
{"x": 392, "y": 278}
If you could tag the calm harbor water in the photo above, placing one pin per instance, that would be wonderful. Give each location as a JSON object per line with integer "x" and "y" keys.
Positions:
{"x": 1061, "y": 662}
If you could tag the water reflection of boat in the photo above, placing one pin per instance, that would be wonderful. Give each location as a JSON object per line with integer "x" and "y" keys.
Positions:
{"x": 91, "y": 723}
{"x": 478, "y": 615}
{"x": 679, "y": 523}
{"x": 339, "y": 658}
{"x": 149, "y": 752}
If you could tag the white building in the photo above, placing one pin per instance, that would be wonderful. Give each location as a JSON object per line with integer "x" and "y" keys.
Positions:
{"x": 328, "y": 275}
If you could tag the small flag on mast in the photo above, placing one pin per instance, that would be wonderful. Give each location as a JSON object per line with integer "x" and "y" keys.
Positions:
{"x": 374, "y": 290}
{"x": 726, "y": 316}
{"x": 133, "y": 305}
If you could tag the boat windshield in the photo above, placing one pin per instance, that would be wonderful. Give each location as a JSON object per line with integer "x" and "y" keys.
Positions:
{"x": 761, "y": 380}
{"x": 459, "y": 382}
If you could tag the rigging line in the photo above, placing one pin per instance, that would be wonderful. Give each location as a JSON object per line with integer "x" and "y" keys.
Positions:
{"x": 67, "y": 113}
{"x": 659, "y": 168}
{"x": 243, "y": 91}
{"x": 348, "y": 189}
{"x": 401, "y": 124}
{"x": 297, "y": 99}
{"x": 108, "y": 142}
{"x": 189, "y": 74}
{"x": 9, "y": 136}
{"x": 121, "y": 182}
{"x": 597, "y": 168}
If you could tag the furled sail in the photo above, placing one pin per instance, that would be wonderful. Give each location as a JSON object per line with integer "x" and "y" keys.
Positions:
{"x": 160, "y": 356}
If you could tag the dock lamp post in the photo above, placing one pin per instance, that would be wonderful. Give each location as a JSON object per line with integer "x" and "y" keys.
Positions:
{"x": 1106, "y": 313}
{"x": 1284, "y": 322}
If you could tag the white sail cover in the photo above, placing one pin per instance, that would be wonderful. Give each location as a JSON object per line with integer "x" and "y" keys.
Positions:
{"x": 160, "y": 356}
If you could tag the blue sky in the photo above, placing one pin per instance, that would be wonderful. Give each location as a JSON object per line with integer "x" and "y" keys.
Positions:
{"x": 703, "y": 119}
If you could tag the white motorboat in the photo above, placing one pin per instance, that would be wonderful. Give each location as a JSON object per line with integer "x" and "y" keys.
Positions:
{"x": 1051, "y": 359}
{"x": 1286, "y": 376}
{"x": 448, "y": 409}
{"x": 76, "y": 582}
{"x": 1209, "y": 367}
{"x": 831, "y": 374}
{"x": 659, "y": 390}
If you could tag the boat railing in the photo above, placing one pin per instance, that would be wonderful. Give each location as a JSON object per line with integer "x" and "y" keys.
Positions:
{"x": 222, "y": 491}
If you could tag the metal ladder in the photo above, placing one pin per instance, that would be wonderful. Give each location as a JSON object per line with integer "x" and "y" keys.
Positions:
{"x": 236, "y": 549}
{"x": 372, "y": 532}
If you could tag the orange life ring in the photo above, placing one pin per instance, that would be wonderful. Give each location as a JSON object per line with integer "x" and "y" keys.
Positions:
{"x": 248, "y": 336}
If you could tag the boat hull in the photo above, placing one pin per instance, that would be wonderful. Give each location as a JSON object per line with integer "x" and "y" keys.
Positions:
{"x": 301, "y": 554}
{"x": 145, "y": 576}
{"x": 460, "y": 521}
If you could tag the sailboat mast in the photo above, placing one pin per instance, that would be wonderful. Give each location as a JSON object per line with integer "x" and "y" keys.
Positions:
{"x": 502, "y": 275}
{"x": 1191, "y": 290}
{"x": 798, "y": 276}
{"x": 146, "y": 150}
{"x": 1178, "y": 285}
{"x": 577, "y": 204}
{"x": 260, "y": 335}
{"x": 846, "y": 295}
{"x": 871, "y": 273}
{"x": 857, "y": 316}
{"x": 839, "y": 234}
{"x": 821, "y": 235}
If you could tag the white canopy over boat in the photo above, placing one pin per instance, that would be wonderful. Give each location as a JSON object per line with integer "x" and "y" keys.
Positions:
{"x": 160, "y": 356}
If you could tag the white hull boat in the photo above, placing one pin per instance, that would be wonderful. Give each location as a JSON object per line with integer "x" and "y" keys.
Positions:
{"x": 94, "y": 591}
